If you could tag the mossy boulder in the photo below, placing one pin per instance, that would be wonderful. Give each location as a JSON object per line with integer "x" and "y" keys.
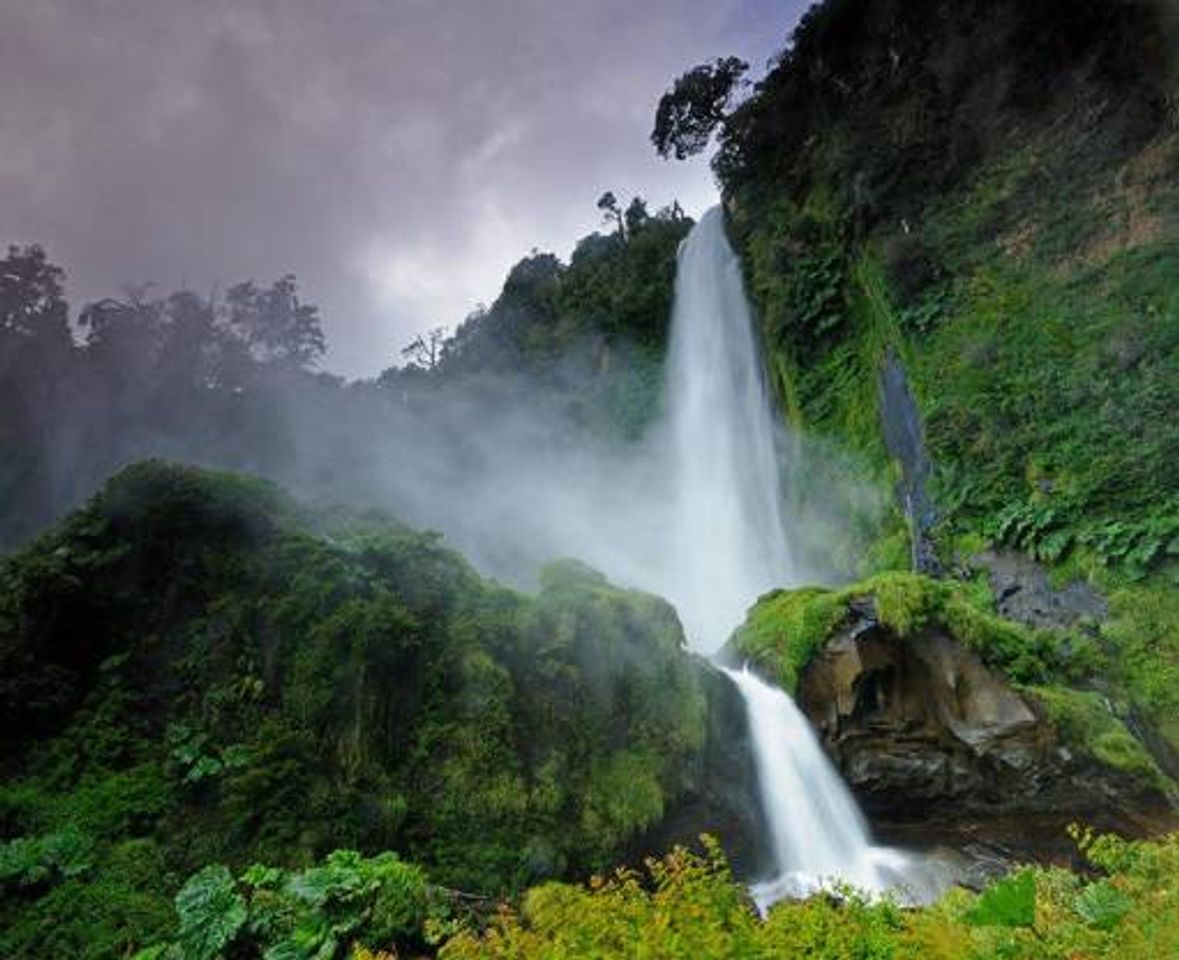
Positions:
{"x": 935, "y": 708}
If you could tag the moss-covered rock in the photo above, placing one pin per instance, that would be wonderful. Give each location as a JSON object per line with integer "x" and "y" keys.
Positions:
{"x": 933, "y": 706}
{"x": 786, "y": 629}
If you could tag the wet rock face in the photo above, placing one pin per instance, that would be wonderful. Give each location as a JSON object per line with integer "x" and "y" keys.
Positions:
{"x": 1023, "y": 592}
{"x": 920, "y": 723}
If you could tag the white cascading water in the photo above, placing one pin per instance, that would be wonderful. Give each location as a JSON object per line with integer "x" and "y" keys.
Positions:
{"x": 816, "y": 830}
{"x": 730, "y": 542}
{"x": 731, "y": 545}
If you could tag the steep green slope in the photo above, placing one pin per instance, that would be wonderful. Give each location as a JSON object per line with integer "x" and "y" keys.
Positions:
{"x": 989, "y": 194}
{"x": 990, "y": 191}
{"x": 194, "y": 670}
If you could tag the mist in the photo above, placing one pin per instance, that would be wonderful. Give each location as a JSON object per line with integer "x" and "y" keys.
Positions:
{"x": 540, "y": 429}
{"x": 700, "y": 507}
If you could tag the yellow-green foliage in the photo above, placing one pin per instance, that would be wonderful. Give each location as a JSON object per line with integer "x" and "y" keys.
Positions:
{"x": 1144, "y": 627}
{"x": 688, "y": 906}
{"x": 1089, "y": 724}
{"x": 788, "y": 627}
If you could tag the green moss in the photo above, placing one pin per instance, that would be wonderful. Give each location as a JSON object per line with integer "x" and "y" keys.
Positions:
{"x": 1087, "y": 723}
{"x": 787, "y": 628}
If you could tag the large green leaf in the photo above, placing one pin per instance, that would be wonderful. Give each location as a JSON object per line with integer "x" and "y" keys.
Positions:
{"x": 1102, "y": 905}
{"x": 211, "y": 913}
{"x": 1009, "y": 903}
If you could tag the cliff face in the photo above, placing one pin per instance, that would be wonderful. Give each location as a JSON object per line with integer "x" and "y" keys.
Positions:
{"x": 974, "y": 207}
{"x": 989, "y": 193}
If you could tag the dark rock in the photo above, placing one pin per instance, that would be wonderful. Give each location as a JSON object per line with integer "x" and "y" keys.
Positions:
{"x": 925, "y": 733}
{"x": 900, "y": 420}
{"x": 1023, "y": 592}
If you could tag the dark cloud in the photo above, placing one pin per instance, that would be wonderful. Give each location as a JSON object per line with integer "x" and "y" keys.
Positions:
{"x": 397, "y": 155}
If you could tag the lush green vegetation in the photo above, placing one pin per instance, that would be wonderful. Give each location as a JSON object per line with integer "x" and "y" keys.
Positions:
{"x": 787, "y": 628}
{"x": 1079, "y": 676}
{"x": 195, "y": 670}
{"x": 688, "y": 906}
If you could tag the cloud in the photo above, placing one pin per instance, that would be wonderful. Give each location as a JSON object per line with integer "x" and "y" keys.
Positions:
{"x": 397, "y": 155}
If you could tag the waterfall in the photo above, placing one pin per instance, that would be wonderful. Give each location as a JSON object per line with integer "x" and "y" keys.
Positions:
{"x": 729, "y": 541}
{"x": 730, "y": 544}
{"x": 816, "y": 830}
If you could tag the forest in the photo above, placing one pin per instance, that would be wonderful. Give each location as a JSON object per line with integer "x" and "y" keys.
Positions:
{"x": 296, "y": 666}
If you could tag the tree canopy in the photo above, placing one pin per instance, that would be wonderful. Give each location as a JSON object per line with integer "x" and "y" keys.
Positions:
{"x": 695, "y": 106}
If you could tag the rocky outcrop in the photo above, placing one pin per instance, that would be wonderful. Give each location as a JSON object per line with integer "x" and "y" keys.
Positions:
{"x": 920, "y": 722}
{"x": 1024, "y": 593}
{"x": 925, "y": 732}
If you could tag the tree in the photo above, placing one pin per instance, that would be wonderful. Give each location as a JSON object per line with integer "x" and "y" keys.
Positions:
{"x": 636, "y": 216}
{"x": 36, "y": 363}
{"x": 425, "y": 351}
{"x": 612, "y": 212}
{"x": 32, "y": 305}
{"x": 695, "y": 106}
{"x": 278, "y": 327}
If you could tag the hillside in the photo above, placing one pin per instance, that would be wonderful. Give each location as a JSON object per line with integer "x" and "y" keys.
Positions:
{"x": 196, "y": 670}
{"x": 1009, "y": 233}
{"x": 960, "y": 225}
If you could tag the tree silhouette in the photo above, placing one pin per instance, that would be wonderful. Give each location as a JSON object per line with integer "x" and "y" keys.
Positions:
{"x": 695, "y": 106}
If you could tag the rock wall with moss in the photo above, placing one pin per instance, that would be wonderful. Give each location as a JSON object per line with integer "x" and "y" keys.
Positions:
{"x": 941, "y": 712}
{"x": 989, "y": 190}
{"x": 989, "y": 194}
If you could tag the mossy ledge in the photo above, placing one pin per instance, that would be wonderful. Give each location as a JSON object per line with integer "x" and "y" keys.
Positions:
{"x": 1057, "y": 673}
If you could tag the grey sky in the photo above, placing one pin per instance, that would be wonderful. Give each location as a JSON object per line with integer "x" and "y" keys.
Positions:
{"x": 397, "y": 155}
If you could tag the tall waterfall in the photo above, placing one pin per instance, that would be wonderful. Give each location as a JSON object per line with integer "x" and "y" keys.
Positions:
{"x": 731, "y": 545}
{"x": 730, "y": 542}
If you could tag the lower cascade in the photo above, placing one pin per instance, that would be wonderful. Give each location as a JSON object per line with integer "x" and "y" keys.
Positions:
{"x": 732, "y": 545}
{"x": 817, "y": 832}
